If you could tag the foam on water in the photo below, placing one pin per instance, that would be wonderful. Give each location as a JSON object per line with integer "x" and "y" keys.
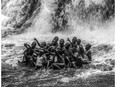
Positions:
{"x": 84, "y": 74}
{"x": 95, "y": 33}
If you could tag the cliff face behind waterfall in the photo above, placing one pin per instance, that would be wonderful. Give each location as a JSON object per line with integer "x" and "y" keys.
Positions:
{"x": 56, "y": 15}
{"x": 20, "y": 13}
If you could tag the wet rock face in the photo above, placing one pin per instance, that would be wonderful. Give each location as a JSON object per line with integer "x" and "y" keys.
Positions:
{"x": 82, "y": 11}
{"x": 109, "y": 9}
{"x": 22, "y": 13}
{"x": 19, "y": 11}
{"x": 60, "y": 19}
{"x": 87, "y": 10}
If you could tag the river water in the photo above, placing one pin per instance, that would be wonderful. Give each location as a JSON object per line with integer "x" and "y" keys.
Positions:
{"x": 57, "y": 78}
{"x": 100, "y": 73}
{"x": 84, "y": 19}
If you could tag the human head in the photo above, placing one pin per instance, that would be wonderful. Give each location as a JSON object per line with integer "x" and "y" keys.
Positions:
{"x": 48, "y": 45}
{"x": 33, "y": 45}
{"x": 61, "y": 42}
{"x": 88, "y": 46}
{"x": 43, "y": 44}
{"x": 74, "y": 39}
{"x": 56, "y": 38}
{"x": 78, "y": 41}
{"x": 53, "y": 42}
{"x": 67, "y": 45}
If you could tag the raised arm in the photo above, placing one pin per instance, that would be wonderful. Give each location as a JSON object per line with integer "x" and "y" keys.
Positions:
{"x": 48, "y": 51}
{"x": 59, "y": 55}
{"x": 27, "y": 45}
{"x": 89, "y": 56}
{"x": 37, "y": 42}
{"x": 69, "y": 41}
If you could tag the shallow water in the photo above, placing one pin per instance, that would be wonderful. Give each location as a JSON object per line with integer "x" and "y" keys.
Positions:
{"x": 86, "y": 26}
{"x": 68, "y": 78}
{"x": 100, "y": 73}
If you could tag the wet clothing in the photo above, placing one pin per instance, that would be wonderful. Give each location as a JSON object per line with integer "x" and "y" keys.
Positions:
{"x": 74, "y": 50}
{"x": 59, "y": 53}
{"x": 27, "y": 55}
{"x": 80, "y": 50}
{"x": 56, "y": 44}
{"x": 68, "y": 57}
{"x": 29, "y": 51}
{"x": 39, "y": 61}
{"x": 60, "y": 50}
{"x": 30, "y": 56}
{"x": 74, "y": 44}
{"x": 57, "y": 56}
{"x": 88, "y": 55}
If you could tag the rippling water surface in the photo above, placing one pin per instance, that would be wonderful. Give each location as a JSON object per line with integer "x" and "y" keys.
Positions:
{"x": 100, "y": 73}
{"x": 86, "y": 19}
{"x": 68, "y": 78}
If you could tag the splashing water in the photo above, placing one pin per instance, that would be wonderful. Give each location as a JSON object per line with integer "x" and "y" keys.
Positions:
{"x": 90, "y": 29}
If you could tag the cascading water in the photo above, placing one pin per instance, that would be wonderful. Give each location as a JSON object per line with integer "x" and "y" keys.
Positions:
{"x": 90, "y": 20}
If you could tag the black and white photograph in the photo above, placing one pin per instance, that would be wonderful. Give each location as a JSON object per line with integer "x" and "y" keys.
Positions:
{"x": 57, "y": 43}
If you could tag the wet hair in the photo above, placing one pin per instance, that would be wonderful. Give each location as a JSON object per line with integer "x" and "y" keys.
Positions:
{"x": 67, "y": 45}
{"x": 88, "y": 46}
{"x": 53, "y": 42}
{"x": 78, "y": 41}
{"x": 56, "y": 38}
{"x": 33, "y": 44}
{"x": 25, "y": 44}
{"x": 61, "y": 41}
{"x": 43, "y": 44}
{"x": 74, "y": 39}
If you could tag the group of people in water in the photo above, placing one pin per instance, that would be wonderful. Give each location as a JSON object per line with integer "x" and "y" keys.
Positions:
{"x": 57, "y": 55}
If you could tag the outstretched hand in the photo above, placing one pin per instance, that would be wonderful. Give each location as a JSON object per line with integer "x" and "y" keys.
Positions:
{"x": 25, "y": 44}
{"x": 35, "y": 39}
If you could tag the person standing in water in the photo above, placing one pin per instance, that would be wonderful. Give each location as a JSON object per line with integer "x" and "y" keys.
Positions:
{"x": 29, "y": 54}
{"x": 80, "y": 48}
{"x": 88, "y": 52}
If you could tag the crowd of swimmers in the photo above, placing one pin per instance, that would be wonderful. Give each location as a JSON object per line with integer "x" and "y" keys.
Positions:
{"x": 59, "y": 54}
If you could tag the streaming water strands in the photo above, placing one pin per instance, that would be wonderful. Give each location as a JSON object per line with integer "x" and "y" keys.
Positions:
{"x": 87, "y": 27}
